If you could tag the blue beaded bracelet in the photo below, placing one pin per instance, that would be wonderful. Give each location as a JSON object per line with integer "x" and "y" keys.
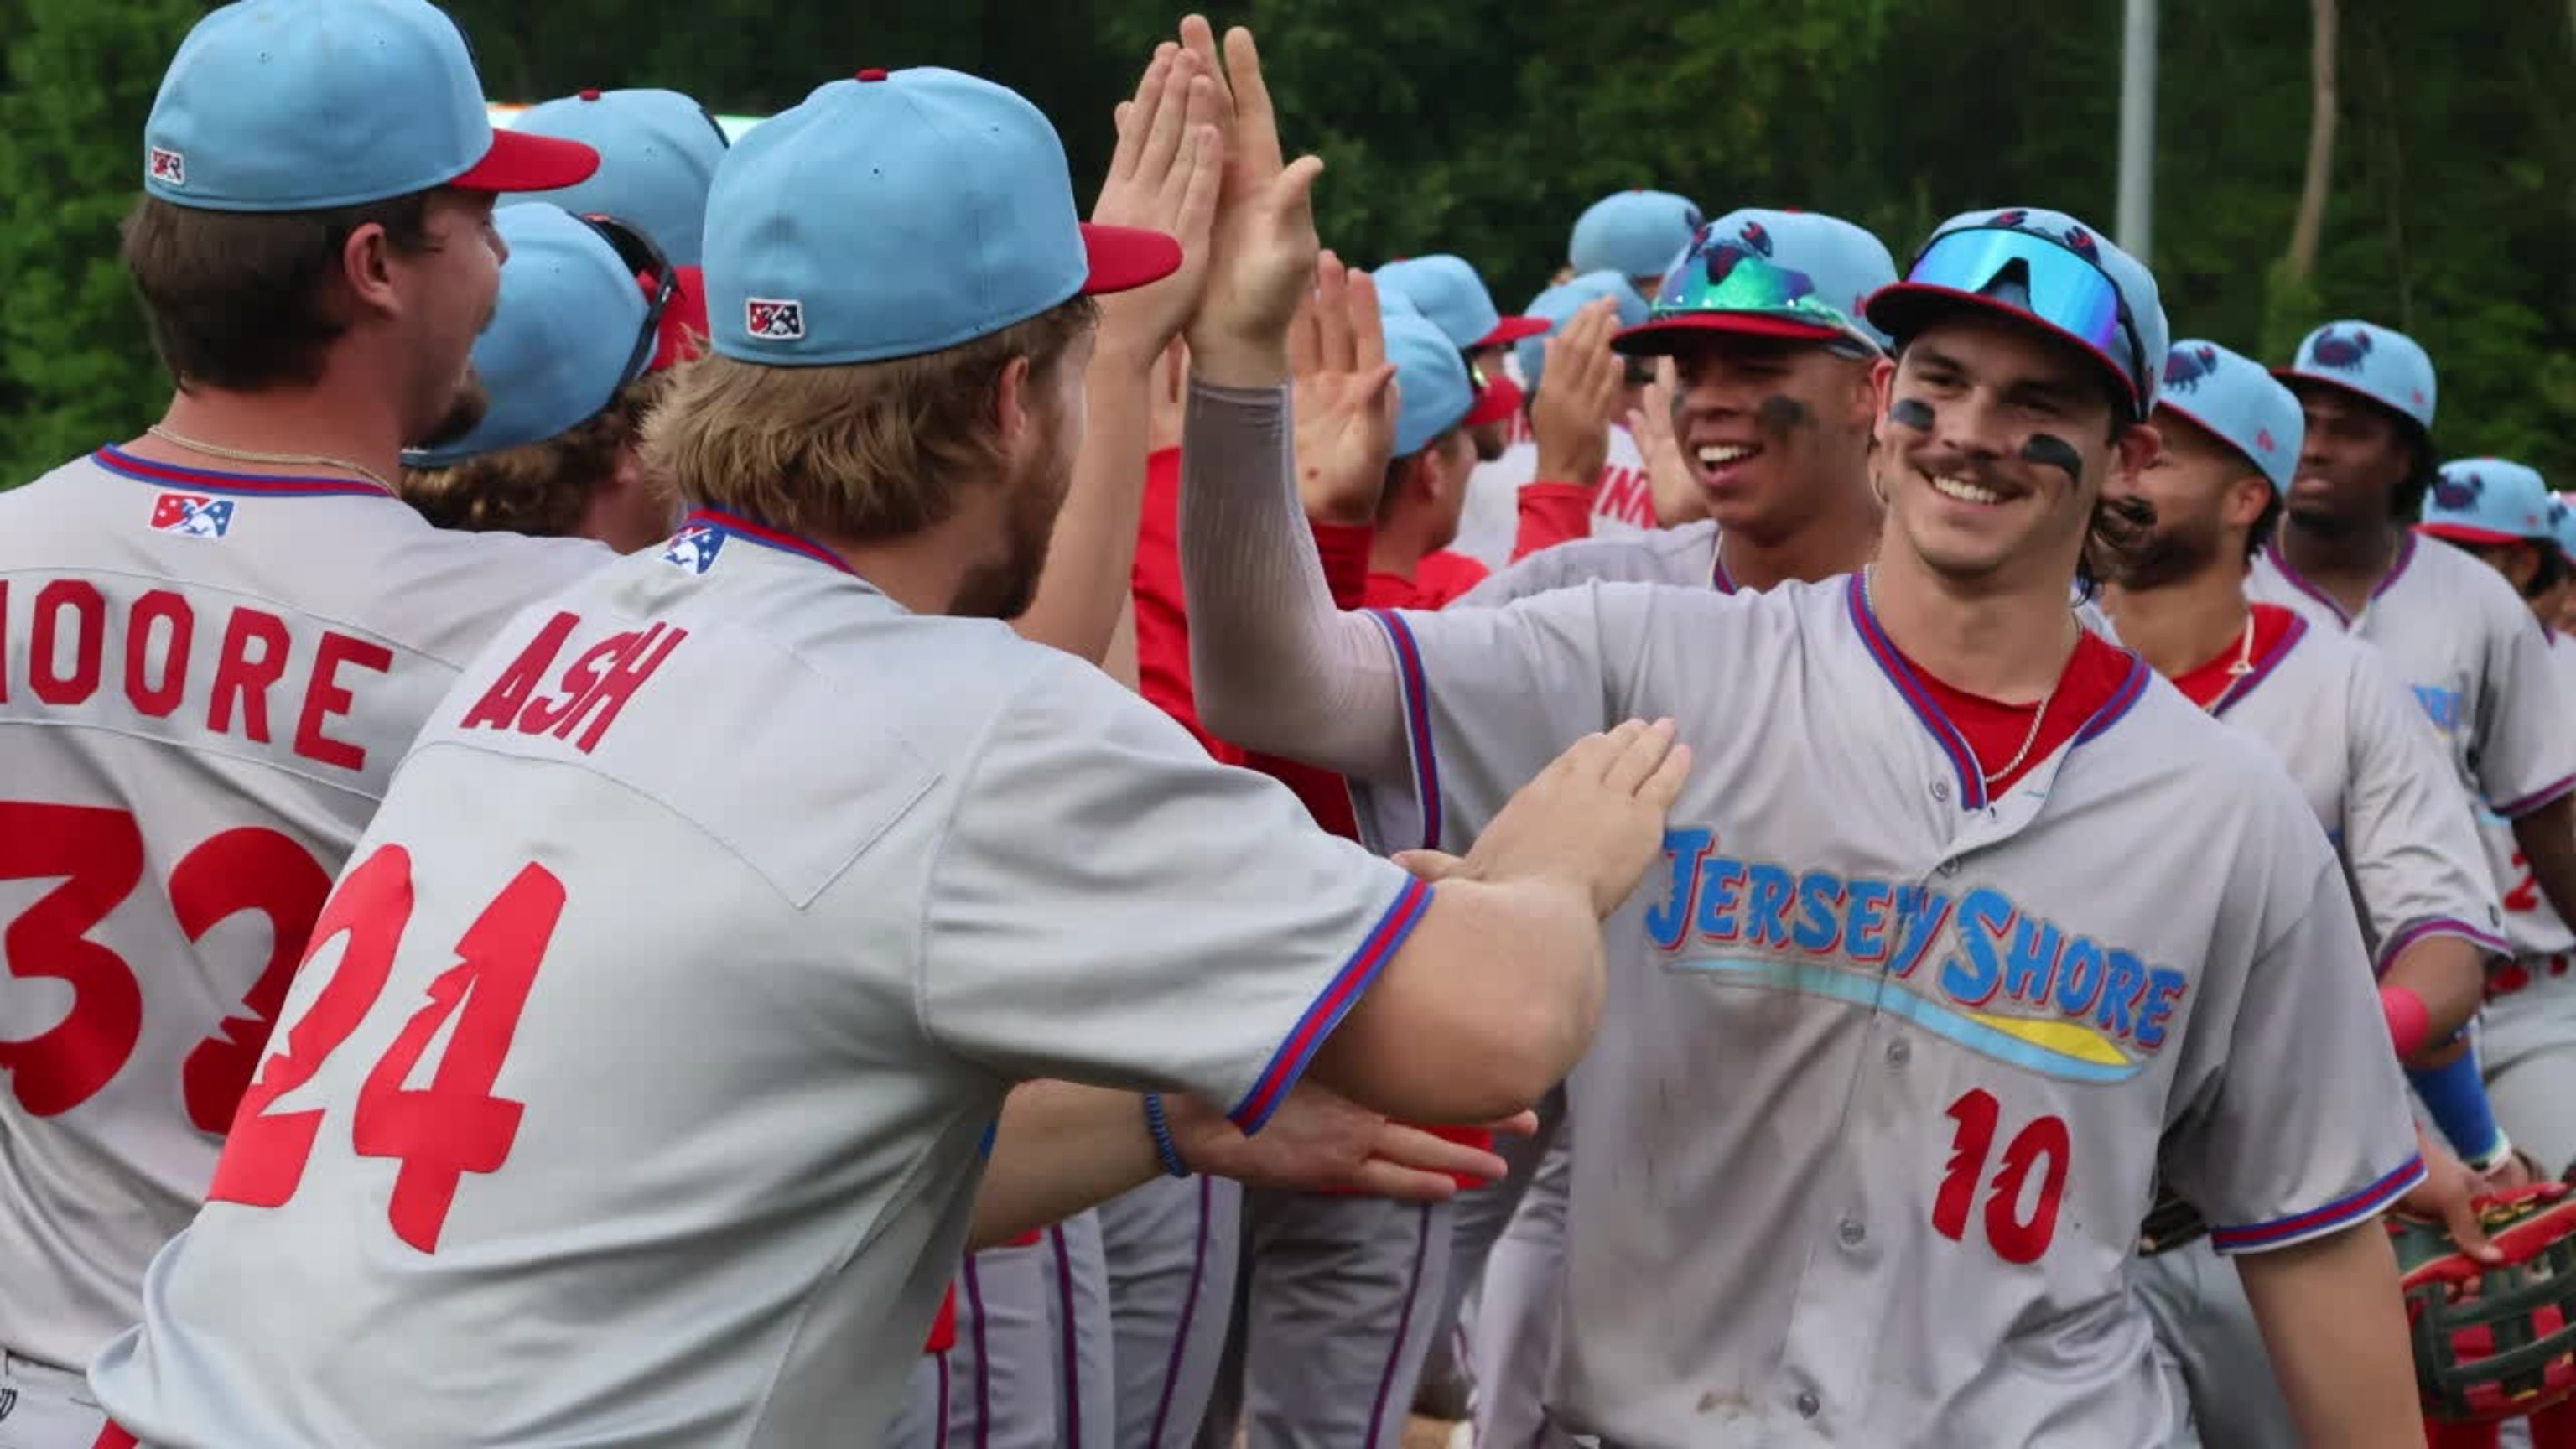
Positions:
{"x": 1164, "y": 1147}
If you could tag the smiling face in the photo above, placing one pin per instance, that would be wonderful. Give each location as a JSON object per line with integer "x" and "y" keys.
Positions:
{"x": 1770, "y": 426}
{"x": 2208, "y": 499}
{"x": 1973, "y": 412}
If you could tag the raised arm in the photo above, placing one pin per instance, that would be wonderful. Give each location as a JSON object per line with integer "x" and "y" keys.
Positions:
{"x": 1276, "y": 668}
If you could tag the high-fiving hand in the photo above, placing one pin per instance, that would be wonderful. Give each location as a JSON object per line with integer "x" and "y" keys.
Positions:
{"x": 1578, "y": 395}
{"x": 1345, "y": 397}
{"x": 1592, "y": 822}
{"x": 1262, "y": 259}
{"x": 1164, "y": 176}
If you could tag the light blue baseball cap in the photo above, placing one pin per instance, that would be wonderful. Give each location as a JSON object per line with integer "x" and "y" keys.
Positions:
{"x": 2045, "y": 267}
{"x": 1794, "y": 274}
{"x": 2370, "y": 361}
{"x": 1437, "y": 390}
{"x": 2232, "y": 398}
{"x": 900, "y": 213}
{"x": 1447, "y": 290}
{"x": 1563, "y": 300}
{"x": 564, "y": 338}
{"x": 1634, "y": 233}
{"x": 658, "y": 152}
{"x": 305, "y": 105}
{"x": 2489, "y": 500}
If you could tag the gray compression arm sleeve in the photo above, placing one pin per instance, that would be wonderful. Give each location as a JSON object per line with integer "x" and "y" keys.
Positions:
{"x": 1276, "y": 668}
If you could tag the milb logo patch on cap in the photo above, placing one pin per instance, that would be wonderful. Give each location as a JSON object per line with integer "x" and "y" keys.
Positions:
{"x": 168, "y": 167}
{"x": 773, "y": 318}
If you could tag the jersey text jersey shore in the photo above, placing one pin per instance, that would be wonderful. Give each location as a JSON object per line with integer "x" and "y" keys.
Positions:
{"x": 640, "y": 1073}
{"x": 206, "y": 680}
{"x": 1623, "y": 499}
{"x": 2454, "y": 632}
{"x": 1887, "y": 1067}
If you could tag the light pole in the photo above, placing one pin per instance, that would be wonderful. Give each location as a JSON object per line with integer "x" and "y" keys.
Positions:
{"x": 2136, "y": 218}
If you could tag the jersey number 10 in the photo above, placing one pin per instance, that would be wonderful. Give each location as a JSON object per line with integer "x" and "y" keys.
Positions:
{"x": 439, "y": 1132}
{"x": 2017, "y": 1237}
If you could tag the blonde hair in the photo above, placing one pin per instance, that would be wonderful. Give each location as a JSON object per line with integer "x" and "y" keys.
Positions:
{"x": 536, "y": 488}
{"x": 857, "y": 451}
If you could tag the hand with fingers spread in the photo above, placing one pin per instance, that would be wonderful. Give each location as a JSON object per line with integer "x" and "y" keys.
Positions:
{"x": 1344, "y": 397}
{"x": 1262, "y": 260}
{"x": 1578, "y": 396}
{"x": 1165, "y": 176}
{"x": 1592, "y": 822}
{"x": 1317, "y": 1140}
{"x": 1677, "y": 495}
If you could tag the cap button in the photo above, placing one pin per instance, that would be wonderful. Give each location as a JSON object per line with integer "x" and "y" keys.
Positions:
{"x": 590, "y": 93}
{"x": 872, "y": 73}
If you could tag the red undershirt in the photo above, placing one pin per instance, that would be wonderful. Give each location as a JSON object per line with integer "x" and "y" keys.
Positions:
{"x": 1994, "y": 730}
{"x": 2203, "y": 683}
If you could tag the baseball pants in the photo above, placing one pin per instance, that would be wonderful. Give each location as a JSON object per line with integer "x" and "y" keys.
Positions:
{"x": 43, "y": 1407}
{"x": 1032, "y": 1366}
{"x": 1480, "y": 1220}
{"x": 1334, "y": 1316}
{"x": 1171, "y": 1248}
{"x": 2527, "y": 1048}
{"x": 2206, "y": 1333}
{"x": 1519, "y": 1321}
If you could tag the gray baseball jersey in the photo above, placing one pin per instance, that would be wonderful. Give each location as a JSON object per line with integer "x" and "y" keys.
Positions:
{"x": 749, "y": 895}
{"x": 2353, "y": 739}
{"x": 1886, "y": 1067}
{"x": 2527, "y": 1037}
{"x": 206, "y": 680}
{"x": 2456, "y": 634}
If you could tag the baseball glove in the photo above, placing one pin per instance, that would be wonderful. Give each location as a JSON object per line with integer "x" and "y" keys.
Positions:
{"x": 2493, "y": 1343}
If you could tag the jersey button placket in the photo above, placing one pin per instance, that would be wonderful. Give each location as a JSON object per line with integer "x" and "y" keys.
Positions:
{"x": 1852, "y": 1233}
{"x": 1809, "y": 1406}
{"x": 1941, "y": 791}
{"x": 1899, "y": 1052}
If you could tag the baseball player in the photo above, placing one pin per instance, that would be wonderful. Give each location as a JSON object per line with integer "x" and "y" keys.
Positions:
{"x": 2347, "y": 556}
{"x": 1775, "y": 394}
{"x": 1617, "y": 499}
{"x": 217, "y": 639}
{"x": 574, "y": 359}
{"x": 2375, "y": 777}
{"x": 2501, "y": 513}
{"x": 741, "y": 1117}
{"x": 1446, "y": 289}
{"x": 1871, "y": 1055}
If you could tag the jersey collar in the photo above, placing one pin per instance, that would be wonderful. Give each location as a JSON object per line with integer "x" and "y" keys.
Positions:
{"x": 2396, "y": 570}
{"x": 2237, "y": 689}
{"x": 748, "y": 530}
{"x": 242, "y": 485}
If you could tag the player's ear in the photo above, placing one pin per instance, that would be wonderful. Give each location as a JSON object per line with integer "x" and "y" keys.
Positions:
{"x": 366, "y": 267}
{"x": 2247, "y": 497}
{"x": 2135, "y": 448}
{"x": 1012, "y": 401}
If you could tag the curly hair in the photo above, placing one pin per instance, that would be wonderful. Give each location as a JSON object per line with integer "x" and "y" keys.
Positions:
{"x": 537, "y": 488}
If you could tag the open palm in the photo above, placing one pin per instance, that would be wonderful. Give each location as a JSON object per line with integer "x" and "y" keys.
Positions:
{"x": 1344, "y": 396}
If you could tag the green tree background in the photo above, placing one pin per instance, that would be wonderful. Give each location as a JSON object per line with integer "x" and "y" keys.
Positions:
{"x": 1484, "y": 127}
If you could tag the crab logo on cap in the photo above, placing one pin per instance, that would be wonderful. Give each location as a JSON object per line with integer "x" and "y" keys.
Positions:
{"x": 774, "y": 319}
{"x": 2184, "y": 370}
{"x": 2457, "y": 491}
{"x": 2264, "y": 440}
{"x": 2082, "y": 241}
{"x": 1757, "y": 236}
{"x": 2012, "y": 218}
{"x": 169, "y": 167}
{"x": 2343, "y": 354}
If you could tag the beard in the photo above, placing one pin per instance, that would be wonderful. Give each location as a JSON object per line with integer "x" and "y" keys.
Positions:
{"x": 465, "y": 410}
{"x": 1004, "y": 587}
{"x": 2169, "y": 554}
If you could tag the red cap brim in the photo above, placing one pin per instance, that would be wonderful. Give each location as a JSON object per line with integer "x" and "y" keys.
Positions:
{"x": 1498, "y": 402}
{"x": 1124, "y": 258}
{"x": 1515, "y": 329}
{"x": 1648, "y": 339}
{"x": 2467, "y": 533}
{"x": 519, "y": 161}
{"x": 684, "y": 328}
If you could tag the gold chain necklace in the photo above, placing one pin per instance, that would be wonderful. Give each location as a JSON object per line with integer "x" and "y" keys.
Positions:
{"x": 251, "y": 455}
{"x": 1869, "y": 592}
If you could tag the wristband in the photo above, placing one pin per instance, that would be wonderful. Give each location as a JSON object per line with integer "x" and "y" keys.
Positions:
{"x": 1164, "y": 1147}
{"x": 2455, "y": 1096}
{"x": 2410, "y": 1023}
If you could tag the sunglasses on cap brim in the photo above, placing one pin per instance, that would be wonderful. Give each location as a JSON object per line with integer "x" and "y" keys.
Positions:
{"x": 1721, "y": 275}
{"x": 636, "y": 252}
{"x": 2064, "y": 289}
